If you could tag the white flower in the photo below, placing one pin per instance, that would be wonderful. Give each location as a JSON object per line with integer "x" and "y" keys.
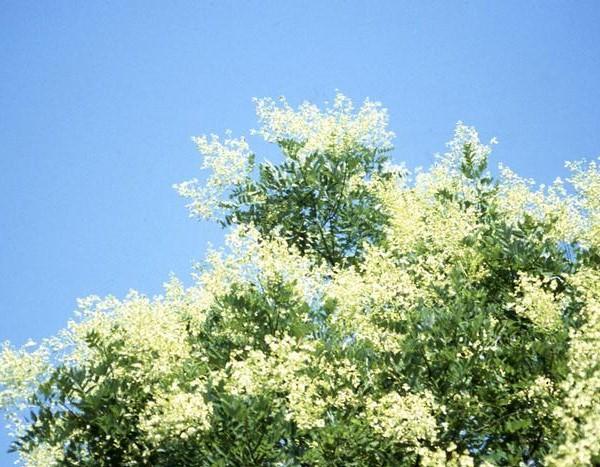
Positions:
{"x": 332, "y": 130}
{"x": 230, "y": 163}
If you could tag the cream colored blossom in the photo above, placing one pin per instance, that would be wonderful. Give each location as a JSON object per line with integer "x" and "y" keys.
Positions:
{"x": 229, "y": 162}
{"x": 446, "y": 458}
{"x": 518, "y": 197}
{"x": 406, "y": 418}
{"x": 283, "y": 370}
{"x": 247, "y": 376}
{"x": 43, "y": 455}
{"x": 377, "y": 291}
{"x": 20, "y": 372}
{"x": 579, "y": 414}
{"x": 464, "y": 135}
{"x": 332, "y": 130}
{"x": 176, "y": 414}
{"x": 260, "y": 261}
{"x": 421, "y": 222}
{"x": 305, "y": 406}
{"x": 151, "y": 331}
{"x": 538, "y": 305}
{"x": 586, "y": 180}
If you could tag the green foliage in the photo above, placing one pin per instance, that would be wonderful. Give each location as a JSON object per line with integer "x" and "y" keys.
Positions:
{"x": 313, "y": 202}
{"x": 361, "y": 319}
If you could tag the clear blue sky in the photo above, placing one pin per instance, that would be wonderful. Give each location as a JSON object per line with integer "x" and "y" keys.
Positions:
{"x": 98, "y": 100}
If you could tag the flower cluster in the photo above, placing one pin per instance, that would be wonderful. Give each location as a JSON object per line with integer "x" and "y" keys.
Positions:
{"x": 176, "y": 414}
{"x": 332, "y": 130}
{"x": 536, "y": 301}
{"x": 230, "y": 162}
{"x": 408, "y": 419}
{"x": 579, "y": 413}
{"x": 586, "y": 181}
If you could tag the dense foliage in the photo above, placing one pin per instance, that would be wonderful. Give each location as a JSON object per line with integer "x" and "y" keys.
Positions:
{"x": 360, "y": 315}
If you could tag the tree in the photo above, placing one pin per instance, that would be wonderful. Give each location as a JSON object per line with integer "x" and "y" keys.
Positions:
{"x": 360, "y": 315}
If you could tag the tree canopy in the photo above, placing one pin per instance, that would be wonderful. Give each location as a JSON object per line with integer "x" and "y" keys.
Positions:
{"x": 360, "y": 314}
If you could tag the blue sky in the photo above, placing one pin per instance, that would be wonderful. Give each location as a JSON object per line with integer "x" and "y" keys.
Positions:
{"x": 99, "y": 100}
